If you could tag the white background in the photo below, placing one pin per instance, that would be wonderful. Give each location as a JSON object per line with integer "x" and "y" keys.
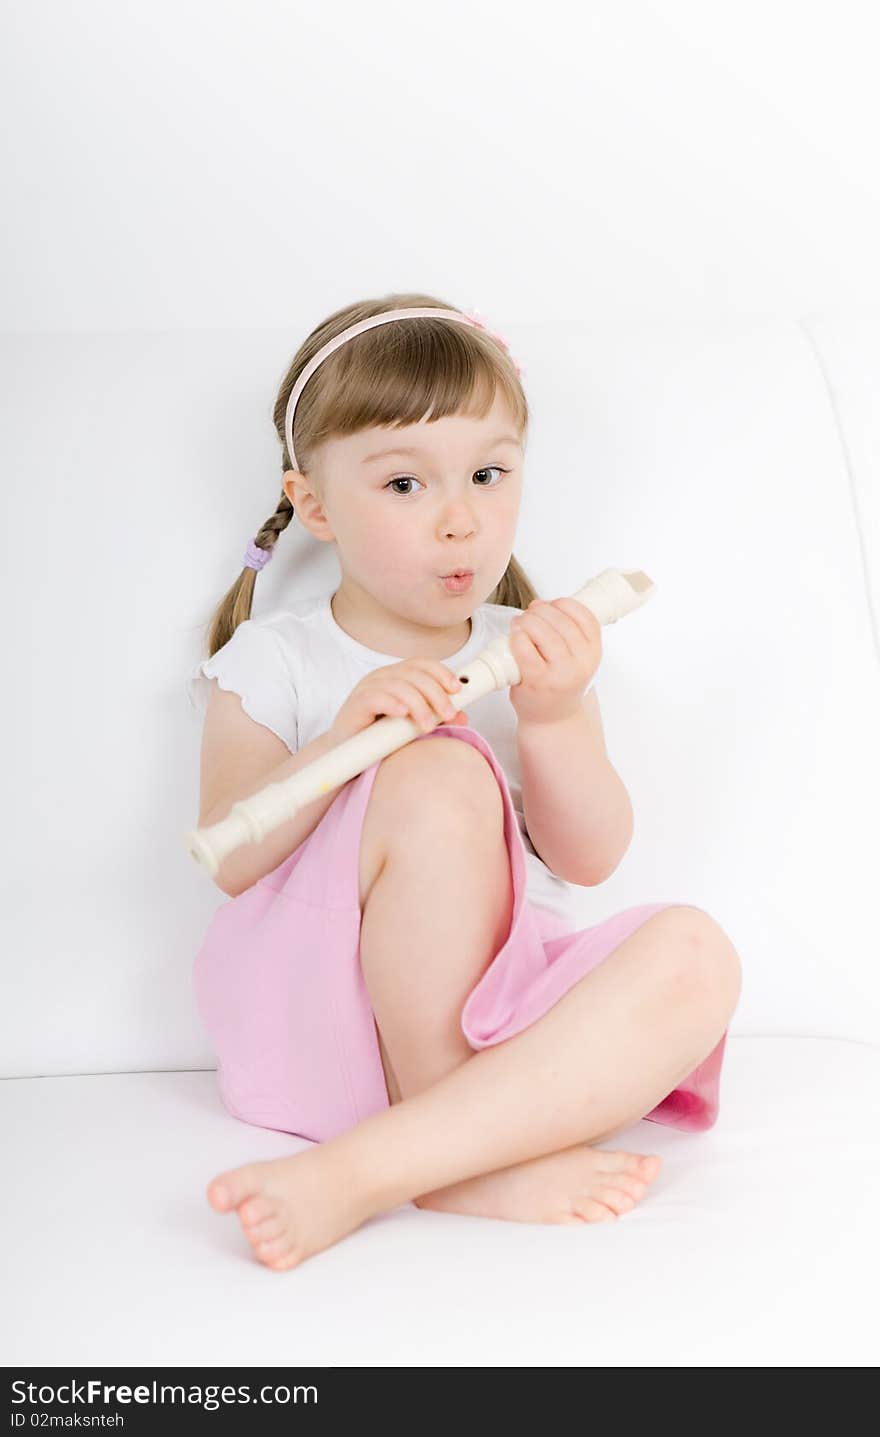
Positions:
{"x": 672, "y": 212}
{"x": 186, "y": 165}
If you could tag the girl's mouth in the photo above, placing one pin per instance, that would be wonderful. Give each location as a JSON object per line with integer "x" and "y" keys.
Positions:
{"x": 457, "y": 583}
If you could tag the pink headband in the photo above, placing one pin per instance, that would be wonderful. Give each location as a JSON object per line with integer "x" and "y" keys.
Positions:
{"x": 365, "y": 324}
{"x": 256, "y": 557}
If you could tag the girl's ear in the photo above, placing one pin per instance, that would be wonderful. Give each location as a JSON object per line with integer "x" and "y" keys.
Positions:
{"x": 307, "y": 507}
{"x": 290, "y": 477}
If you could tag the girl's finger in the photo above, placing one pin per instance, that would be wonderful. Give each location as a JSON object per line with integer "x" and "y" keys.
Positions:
{"x": 527, "y": 657}
{"x": 440, "y": 707}
{"x": 547, "y": 639}
{"x": 440, "y": 672}
{"x": 425, "y": 701}
{"x": 437, "y": 697}
{"x": 552, "y": 620}
{"x": 584, "y": 621}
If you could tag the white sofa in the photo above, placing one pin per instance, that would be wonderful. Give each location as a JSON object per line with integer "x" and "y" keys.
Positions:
{"x": 740, "y": 467}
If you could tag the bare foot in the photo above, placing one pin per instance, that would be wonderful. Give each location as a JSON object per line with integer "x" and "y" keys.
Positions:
{"x": 290, "y": 1208}
{"x": 577, "y": 1184}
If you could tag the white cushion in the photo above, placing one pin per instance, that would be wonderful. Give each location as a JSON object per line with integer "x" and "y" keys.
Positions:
{"x": 738, "y": 466}
{"x": 756, "y": 1245}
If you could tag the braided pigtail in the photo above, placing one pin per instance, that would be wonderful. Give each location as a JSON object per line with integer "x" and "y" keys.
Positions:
{"x": 235, "y": 606}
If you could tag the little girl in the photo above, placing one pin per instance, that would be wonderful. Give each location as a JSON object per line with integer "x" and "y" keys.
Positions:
{"x": 398, "y": 976}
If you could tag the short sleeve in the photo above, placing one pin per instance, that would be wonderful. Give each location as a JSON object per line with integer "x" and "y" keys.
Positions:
{"x": 255, "y": 665}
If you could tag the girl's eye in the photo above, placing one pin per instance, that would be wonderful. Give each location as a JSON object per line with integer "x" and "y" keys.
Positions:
{"x": 406, "y": 478}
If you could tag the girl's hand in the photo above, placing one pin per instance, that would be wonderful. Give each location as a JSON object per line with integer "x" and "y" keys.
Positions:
{"x": 557, "y": 647}
{"x": 417, "y": 689}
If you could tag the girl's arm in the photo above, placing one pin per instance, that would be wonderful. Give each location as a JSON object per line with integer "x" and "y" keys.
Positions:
{"x": 239, "y": 758}
{"x": 576, "y": 807}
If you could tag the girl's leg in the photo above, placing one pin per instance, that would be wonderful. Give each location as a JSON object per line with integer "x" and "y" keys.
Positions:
{"x": 603, "y": 1056}
{"x": 427, "y": 938}
{"x": 607, "y": 1052}
{"x": 425, "y": 941}
{"x": 436, "y": 901}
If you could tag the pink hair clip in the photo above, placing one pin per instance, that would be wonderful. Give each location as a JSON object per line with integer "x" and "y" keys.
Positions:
{"x": 480, "y": 319}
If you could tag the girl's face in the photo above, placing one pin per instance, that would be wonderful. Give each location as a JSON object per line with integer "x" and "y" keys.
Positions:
{"x": 401, "y": 520}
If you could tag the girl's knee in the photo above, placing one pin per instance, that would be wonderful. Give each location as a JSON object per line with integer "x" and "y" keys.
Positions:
{"x": 704, "y": 955}
{"x": 438, "y": 775}
{"x": 424, "y": 792}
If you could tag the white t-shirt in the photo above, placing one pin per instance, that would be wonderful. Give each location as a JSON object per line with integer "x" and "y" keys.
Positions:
{"x": 293, "y": 669}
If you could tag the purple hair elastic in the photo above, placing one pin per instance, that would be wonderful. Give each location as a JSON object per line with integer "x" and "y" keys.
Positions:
{"x": 255, "y": 557}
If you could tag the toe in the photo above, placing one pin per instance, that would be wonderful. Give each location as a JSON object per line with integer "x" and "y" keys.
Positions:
{"x": 619, "y": 1162}
{"x": 619, "y": 1202}
{"x": 640, "y": 1165}
{"x": 281, "y": 1264}
{"x": 229, "y": 1189}
{"x": 635, "y": 1187}
{"x": 272, "y": 1248}
{"x": 254, "y": 1210}
{"x": 263, "y": 1231}
{"x": 591, "y": 1210}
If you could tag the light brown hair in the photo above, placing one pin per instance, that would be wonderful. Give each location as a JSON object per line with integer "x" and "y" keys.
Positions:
{"x": 394, "y": 374}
